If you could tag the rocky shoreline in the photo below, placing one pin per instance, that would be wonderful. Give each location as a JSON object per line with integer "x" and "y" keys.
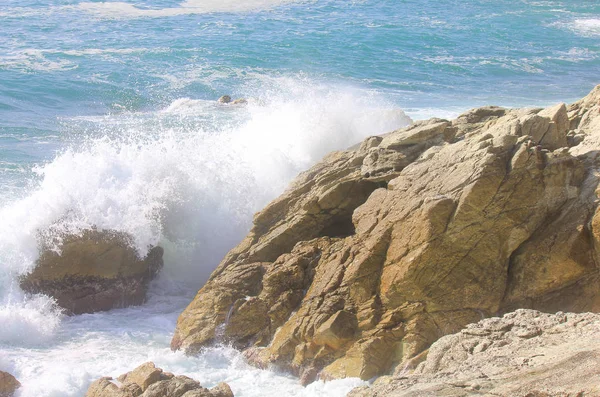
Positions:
{"x": 376, "y": 252}
{"x": 370, "y": 258}
{"x": 149, "y": 381}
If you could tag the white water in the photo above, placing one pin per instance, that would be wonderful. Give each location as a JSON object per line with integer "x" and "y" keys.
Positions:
{"x": 188, "y": 177}
{"x": 115, "y": 9}
{"x": 587, "y": 27}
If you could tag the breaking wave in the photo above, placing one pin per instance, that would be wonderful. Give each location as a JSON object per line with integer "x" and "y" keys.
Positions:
{"x": 188, "y": 177}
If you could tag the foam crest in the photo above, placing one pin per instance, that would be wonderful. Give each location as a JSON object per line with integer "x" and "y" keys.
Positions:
{"x": 34, "y": 60}
{"x": 119, "y": 10}
{"x": 587, "y": 26}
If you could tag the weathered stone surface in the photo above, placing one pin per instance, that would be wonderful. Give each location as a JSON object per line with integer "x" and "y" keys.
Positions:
{"x": 8, "y": 384}
{"x": 174, "y": 387}
{"x": 149, "y": 381}
{"x": 105, "y": 387}
{"x": 480, "y": 115}
{"x": 523, "y": 353}
{"x": 221, "y": 390}
{"x": 96, "y": 271}
{"x": 224, "y": 99}
{"x": 376, "y": 252}
{"x": 143, "y": 376}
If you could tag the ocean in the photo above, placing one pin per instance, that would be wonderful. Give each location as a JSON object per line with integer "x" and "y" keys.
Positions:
{"x": 108, "y": 118}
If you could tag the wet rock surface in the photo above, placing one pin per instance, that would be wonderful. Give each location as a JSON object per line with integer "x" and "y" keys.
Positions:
{"x": 94, "y": 271}
{"x": 8, "y": 384}
{"x": 376, "y": 252}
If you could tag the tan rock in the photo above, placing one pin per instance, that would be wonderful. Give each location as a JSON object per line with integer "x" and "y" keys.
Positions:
{"x": 106, "y": 387}
{"x": 174, "y": 387}
{"x": 523, "y": 353}
{"x": 221, "y": 390}
{"x": 376, "y": 252}
{"x": 8, "y": 384}
{"x": 337, "y": 330}
{"x": 94, "y": 271}
{"x": 480, "y": 115}
{"x": 417, "y": 133}
{"x": 559, "y": 116}
{"x": 143, "y": 376}
{"x": 149, "y": 381}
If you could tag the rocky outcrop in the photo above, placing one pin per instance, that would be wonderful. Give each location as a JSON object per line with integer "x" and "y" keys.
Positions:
{"x": 524, "y": 353}
{"x": 94, "y": 271}
{"x": 149, "y": 381}
{"x": 224, "y": 99}
{"x": 8, "y": 384}
{"x": 378, "y": 251}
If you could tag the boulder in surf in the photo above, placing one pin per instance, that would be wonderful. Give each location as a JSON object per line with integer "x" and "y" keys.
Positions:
{"x": 94, "y": 271}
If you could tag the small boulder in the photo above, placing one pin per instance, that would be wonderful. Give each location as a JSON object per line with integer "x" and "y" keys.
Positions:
{"x": 105, "y": 387}
{"x": 143, "y": 376}
{"x": 240, "y": 101}
{"x": 149, "y": 381}
{"x": 221, "y": 390}
{"x": 8, "y": 384}
{"x": 224, "y": 99}
{"x": 95, "y": 271}
{"x": 174, "y": 387}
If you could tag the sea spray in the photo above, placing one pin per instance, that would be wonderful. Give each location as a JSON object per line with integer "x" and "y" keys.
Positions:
{"x": 188, "y": 176}
{"x": 192, "y": 182}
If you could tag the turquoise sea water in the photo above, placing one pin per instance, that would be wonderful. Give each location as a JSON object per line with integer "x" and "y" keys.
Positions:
{"x": 68, "y": 58}
{"x": 108, "y": 118}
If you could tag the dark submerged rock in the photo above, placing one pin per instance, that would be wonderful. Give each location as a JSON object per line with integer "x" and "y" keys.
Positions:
{"x": 95, "y": 271}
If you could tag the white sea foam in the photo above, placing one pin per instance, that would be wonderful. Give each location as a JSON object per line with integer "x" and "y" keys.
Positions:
{"x": 587, "y": 26}
{"x": 577, "y": 54}
{"x": 94, "y": 345}
{"x": 529, "y": 65}
{"x": 28, "y": 321}
{"x": 34, "y": 60}
{"x": 196, "y": 181}
{"x": 188, "y": 105}
{"x": 50, "y": 60}
{"x": 188, "y": 177}
{"x": 117, "y": 10}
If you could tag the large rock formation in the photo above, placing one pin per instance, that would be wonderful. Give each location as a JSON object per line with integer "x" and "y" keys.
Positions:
{"x": 524, "y": 353}
{"x": 378, "y": 251}
{"x": 149, "y": 381}
{"x": 94, "y": 271}
{"x": 8, "y": 384}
